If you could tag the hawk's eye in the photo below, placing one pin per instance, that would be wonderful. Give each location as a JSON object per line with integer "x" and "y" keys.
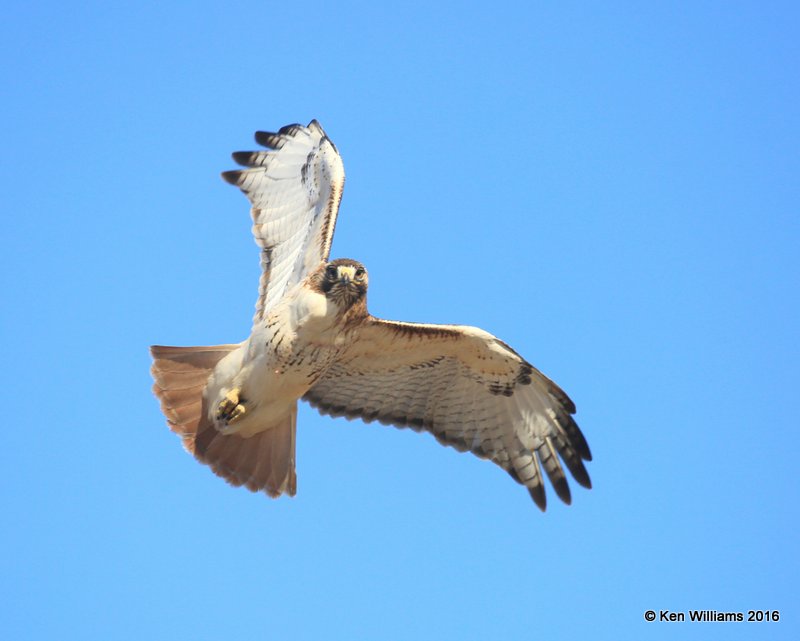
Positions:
{"x": 331, "y": 272}
{"x": 360, "y": 272}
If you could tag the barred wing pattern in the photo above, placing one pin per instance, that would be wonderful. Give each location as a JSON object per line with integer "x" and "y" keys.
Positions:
{"x": 467, "y": 388}
{"x": 295, "y": 189}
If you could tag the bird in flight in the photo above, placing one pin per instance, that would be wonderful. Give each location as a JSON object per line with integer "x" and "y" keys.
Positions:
{"x": 235, "y": 405}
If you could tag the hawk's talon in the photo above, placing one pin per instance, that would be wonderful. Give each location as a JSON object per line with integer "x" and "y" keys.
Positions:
{"x": 230, "y": 408}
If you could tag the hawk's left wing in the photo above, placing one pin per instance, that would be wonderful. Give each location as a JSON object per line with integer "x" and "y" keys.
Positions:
{"x": 295, "y": 188}
{"x": 466, "y": 387}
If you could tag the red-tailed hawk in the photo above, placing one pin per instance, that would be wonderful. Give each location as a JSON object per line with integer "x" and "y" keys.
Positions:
{"x": 235, "y": 406}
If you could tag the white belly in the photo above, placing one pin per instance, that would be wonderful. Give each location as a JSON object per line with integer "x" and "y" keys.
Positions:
{"x": 281, "y": 360}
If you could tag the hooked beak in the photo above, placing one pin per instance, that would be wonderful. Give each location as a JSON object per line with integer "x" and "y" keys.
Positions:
{"x": 346, "y": 274}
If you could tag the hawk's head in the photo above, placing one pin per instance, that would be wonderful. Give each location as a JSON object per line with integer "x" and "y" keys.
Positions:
{"x": 344, "y": 281}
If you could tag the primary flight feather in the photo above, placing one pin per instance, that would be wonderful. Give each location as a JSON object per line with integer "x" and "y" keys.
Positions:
{"x": 235, "y": 406}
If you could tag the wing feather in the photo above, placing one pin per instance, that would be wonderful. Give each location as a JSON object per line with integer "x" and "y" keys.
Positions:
{"x": 294, "y": 189}
{"x": 467, "y": 388}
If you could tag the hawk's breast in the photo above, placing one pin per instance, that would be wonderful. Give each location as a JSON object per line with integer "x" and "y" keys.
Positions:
{"x": 296, "y": 343}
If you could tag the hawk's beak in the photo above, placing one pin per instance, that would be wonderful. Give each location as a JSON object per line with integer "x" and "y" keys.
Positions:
{"x": 346, "y": 274}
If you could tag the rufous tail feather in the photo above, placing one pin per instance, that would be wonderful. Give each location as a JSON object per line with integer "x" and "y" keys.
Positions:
{"x": 262, "y": 462}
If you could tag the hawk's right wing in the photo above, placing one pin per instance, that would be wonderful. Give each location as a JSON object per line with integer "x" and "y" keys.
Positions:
{"x": 295, "y": 188}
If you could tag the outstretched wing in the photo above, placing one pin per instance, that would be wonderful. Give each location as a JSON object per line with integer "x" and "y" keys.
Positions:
{"x": 467, "y": 388}
{"x": 295, "y": 189}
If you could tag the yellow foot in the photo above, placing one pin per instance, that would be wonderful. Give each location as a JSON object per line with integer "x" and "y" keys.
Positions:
{"x": 231, "y": 409}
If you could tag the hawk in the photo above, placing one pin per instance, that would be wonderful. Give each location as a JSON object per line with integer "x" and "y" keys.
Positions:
{"x": 235, "y": 406}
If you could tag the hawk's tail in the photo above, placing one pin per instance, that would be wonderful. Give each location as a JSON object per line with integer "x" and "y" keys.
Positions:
{"x": 180, "y": 375}
{"x": 265, "y": 461}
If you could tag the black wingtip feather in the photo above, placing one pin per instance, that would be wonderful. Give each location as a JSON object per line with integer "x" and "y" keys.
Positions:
{"x": 562, "y": 489}
{"x": 578, "y": 440}
{"x": 574, "y": 435}
{"x": 538, "y": 496}
{"x": 231, "y": 177}
{"x": 268, "y": 139}
{"x": 242, "y": 158}
{"x": 578, "y": 471}
{"x": 288, "y": 130}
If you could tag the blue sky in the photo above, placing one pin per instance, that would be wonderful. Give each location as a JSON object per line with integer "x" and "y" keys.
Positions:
{"x": 611, "y": 188}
